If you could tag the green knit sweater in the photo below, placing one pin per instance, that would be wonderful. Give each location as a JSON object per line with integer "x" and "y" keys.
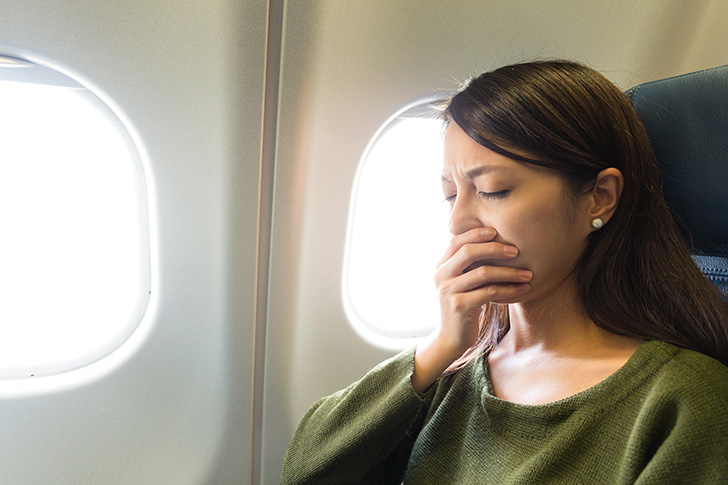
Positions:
{"x": 662, "y": 418}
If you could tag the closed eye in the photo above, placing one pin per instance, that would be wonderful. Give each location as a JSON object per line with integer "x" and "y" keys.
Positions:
{"x": 494, "y": 195}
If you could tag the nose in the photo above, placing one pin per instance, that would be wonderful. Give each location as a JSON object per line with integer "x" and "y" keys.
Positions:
{"x": 464, "y": 215}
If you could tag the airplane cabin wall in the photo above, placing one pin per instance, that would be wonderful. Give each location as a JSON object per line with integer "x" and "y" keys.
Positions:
{"x": 175, "y": 403}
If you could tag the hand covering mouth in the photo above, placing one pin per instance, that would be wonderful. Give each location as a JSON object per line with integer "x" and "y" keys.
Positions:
{"x": 484, "y": 262}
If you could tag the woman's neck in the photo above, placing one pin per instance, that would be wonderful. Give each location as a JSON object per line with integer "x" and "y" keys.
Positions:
{"x": 553, "y": 351}
{"x": 556, "y": 323}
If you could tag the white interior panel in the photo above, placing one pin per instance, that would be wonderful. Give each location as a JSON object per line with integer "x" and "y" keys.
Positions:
{"x": 346, "y": 68}
{"x": 174, "y": 403}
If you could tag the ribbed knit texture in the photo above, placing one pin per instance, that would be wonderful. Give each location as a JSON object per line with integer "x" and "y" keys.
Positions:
{"x": 662, "y": 419}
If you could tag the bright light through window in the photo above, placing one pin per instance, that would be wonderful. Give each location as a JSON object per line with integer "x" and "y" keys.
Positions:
{"x": 397, "y": 232}
{"x": 74, "y": 254}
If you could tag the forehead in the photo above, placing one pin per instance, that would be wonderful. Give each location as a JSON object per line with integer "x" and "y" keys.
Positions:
{"x": 465, "y": 158}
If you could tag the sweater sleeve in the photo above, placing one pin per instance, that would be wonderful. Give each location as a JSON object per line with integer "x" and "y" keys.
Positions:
{"x": 361, "y": 434}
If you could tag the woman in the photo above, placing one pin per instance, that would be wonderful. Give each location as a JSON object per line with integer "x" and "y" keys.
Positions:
{"x": 578, "y": 341}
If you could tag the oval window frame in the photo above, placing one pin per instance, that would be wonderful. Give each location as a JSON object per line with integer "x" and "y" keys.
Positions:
{"x": 70, "y": 348}
{"x": 383, "y": 330}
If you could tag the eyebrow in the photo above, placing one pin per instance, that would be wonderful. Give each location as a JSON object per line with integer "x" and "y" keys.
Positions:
{"x": 477, "y": 172}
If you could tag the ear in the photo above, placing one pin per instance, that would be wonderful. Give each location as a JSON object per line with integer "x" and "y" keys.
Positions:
{"x": 605, "y": 195}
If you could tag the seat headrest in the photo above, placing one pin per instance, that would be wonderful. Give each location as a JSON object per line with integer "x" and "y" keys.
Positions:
{"x": 686, "y": 118}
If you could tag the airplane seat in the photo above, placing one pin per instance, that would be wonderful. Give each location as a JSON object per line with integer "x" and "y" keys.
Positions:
{"x": 686, "y": 118}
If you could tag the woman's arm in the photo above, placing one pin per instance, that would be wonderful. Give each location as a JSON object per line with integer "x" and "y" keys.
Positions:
{"x": 361, "y": 434}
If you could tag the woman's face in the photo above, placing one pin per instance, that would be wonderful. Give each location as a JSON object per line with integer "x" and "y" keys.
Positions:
{"x": 526, "y": 204}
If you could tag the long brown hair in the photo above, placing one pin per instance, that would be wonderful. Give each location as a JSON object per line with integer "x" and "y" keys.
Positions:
{"x": 636, "y": 277}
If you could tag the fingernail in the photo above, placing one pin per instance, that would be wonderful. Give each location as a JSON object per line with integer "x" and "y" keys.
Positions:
{"x": 524, "y": 286}
{"x": 510, "y": 250}
{"x": 525, "y": 274}
{"x": 487, "y": 232}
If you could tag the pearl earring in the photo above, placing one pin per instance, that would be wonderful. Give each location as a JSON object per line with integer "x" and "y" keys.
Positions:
{"x": 597, "y": 223}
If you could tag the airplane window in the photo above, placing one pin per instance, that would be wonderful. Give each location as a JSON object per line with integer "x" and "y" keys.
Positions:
{"x": 397, "y": 231}
{"x": 74, "y": 251}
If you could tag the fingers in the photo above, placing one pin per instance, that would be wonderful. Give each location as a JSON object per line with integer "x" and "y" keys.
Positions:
{"x": 481, "y": 234}
{"x": 472, "y": 249}
{"x": 468, "y": 304}
{"x": 465, "y": 293}
{"x": 473, "y": 260}
{"x": 485, "y": 276}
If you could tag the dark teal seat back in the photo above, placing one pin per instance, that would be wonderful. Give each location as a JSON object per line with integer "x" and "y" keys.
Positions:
{"x": 686, "y": 118}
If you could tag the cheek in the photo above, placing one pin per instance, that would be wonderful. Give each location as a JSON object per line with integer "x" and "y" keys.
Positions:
{"x": 542, "y": 235}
